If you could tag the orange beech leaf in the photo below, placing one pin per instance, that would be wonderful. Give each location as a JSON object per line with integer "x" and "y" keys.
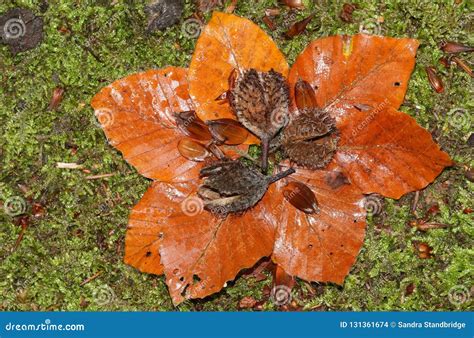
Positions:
{"x": 362, "y": 69}
{"x": 388, "y": 153}
{"x": 200, "y": 252}
{"x": 280, "y": 277}
{"x": 142, "y": 241}
{"x": 361, "y": 81}
{"x": 323, "y": 246}
{"x": 136, "y": 114}
{"x": 228, "y": 42}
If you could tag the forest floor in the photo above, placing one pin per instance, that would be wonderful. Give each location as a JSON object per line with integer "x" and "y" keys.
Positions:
{"x": 70, "y": 254}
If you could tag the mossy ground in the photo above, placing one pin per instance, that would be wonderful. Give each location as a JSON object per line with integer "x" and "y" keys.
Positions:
{"x": 82, "y": 231}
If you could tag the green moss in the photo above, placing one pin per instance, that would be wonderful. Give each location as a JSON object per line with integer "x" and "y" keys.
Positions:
{"x": 82, "y": 232}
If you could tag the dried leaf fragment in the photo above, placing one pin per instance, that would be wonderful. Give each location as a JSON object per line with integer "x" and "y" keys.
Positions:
{"x": 299, "y": 27}
{"x": 247, "y": 302}
{"x": 269, "y": 22}
{"x": 463, "y": 65}
{"x": 346, "y": 12}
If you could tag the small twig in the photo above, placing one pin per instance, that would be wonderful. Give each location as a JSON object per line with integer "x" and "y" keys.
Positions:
{"x": 63, "y": 165}
{"x": 414, "y": 204}
{"x": 265, "y": 150}
{"x": 19, "y": 239}
{"x": 429, "y": 226}
{"x": 96, "y": 177}
{"x": 24, "y": 222}
{"x": 87, "y": 280}
{"x": 282, "y": 174}
{"x": 463, "y": 65}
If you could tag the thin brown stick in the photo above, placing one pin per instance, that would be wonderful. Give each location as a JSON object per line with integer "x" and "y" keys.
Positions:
{"x": 96, "y": 177}
{"x": 91, "y": 278}
{"x": 414, "y": 204}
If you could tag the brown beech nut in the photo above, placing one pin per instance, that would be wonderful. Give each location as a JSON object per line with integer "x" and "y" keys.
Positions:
{"x": 435, "y": 80}
{"x": 451, "y": 47}
{"x": 228, "y": 131}
{"x": 298, "y": 4}
{"x": 191, "y": 125}
{"x": 301, "y": 197}
{"x": 192, "y": 150}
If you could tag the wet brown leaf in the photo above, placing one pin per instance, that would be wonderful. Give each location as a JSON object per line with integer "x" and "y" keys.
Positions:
{"x": 223, "y": 47}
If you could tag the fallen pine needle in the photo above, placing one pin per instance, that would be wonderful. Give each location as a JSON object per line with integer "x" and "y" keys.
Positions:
{"x": 63, "y": 165}
{"x": 428, "y": 226}
{"x": 96, "y": 177}
{"x": 87, "y": 280}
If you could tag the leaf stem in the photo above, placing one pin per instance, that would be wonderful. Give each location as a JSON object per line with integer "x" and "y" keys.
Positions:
{"x": 281, "y": 175}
